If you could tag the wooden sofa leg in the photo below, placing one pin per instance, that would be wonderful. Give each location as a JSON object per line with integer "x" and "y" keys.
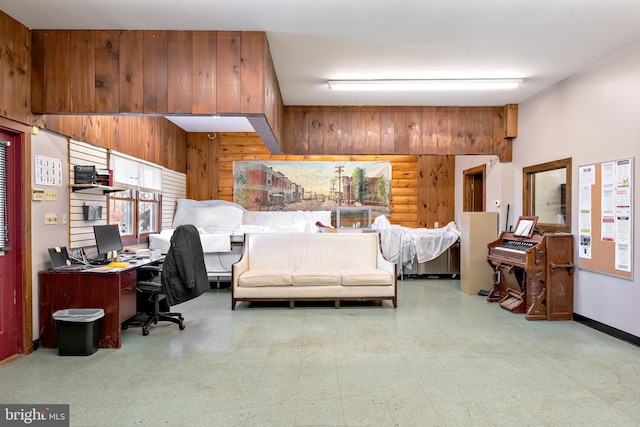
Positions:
{"x": 233, "y": 304}
{"x": 395, "y": 302}
{"x": 291, "y": 304}
{"x": 337, "y": 304}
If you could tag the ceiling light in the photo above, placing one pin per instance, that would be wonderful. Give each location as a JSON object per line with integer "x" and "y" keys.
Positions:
{"x": 437, "y": 84}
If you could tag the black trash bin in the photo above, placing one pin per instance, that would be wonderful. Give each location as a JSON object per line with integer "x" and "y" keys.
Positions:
{"x": 78, "y": 330}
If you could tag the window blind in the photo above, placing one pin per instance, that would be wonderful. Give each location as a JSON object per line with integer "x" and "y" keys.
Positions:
{"x": 4, "y": 214}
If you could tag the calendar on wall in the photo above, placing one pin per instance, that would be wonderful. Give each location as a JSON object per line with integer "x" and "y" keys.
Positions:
{"x": 48, "y": 171}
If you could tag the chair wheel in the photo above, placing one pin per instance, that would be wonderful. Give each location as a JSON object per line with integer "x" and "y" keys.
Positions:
{"x": 145, "y": 332}
{"x": 181, "y": 326}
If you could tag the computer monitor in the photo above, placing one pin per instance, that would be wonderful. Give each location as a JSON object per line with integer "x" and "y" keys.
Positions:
{"x": 107, "y": 238}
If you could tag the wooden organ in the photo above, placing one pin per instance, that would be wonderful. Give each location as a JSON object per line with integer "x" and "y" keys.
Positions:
{"x": 533, "y": 274}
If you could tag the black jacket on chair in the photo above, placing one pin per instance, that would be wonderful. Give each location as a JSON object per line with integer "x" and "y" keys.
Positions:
{"x": 184, "y": 275}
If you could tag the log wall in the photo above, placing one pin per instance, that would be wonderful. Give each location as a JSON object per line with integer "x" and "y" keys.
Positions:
{"x": 422, "y": 190}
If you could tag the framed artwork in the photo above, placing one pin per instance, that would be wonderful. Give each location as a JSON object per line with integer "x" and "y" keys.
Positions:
{"x": 312, "y": 185}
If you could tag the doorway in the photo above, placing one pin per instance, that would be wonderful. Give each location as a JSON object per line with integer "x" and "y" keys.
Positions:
{"x": 11, "y": 245}
{"x": 474, "y": 189}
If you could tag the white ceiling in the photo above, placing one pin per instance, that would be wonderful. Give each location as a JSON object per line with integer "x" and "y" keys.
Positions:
{"x": 211, "y": 123}
{"x": 541, "y": 41}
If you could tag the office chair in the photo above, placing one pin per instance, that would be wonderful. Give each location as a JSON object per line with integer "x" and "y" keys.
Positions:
{"x": 152, "y": 306}
{"x": 183, "y": 276}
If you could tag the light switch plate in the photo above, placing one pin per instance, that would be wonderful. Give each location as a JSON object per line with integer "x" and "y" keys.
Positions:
{"x": 51, "y": 194}
{"x": 50, "y": 218}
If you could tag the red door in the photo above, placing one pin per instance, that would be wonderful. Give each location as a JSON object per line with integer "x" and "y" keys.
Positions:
{"x": 10, "y": 262}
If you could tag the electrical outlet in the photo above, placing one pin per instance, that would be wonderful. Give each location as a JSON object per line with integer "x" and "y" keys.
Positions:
{"x": 50, "y": 218}
{"x": 436, "y": 224}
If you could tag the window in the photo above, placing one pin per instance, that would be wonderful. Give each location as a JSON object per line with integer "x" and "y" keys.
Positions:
{"x": 121, "y": 210}
{"x": 136, "y": 212}
{"x": 546, "y": 194}
{"x": 148, "y": 212}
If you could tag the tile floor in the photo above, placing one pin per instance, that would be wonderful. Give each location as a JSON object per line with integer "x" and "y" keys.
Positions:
{"x": 443, "y": 358}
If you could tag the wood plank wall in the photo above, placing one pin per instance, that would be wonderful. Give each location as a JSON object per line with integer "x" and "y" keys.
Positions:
{"x": 435, "y": 182}
{"x": 156, "y": 72}
{"x": 150, "y": 138}
{"x": 15, "y": 70}
{"x": 422, "y": 186}
{"x": 207, "y": 72}
{"x": 400, "y": 130}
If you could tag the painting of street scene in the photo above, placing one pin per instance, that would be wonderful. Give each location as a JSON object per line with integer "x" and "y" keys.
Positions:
{"x": 312, "y": 185}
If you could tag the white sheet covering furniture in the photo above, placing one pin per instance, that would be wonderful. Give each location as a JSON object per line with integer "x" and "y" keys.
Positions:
{"x": 318, "y": 266}
{"x": 222, "y": 223}
{"x": 404, "y": 245}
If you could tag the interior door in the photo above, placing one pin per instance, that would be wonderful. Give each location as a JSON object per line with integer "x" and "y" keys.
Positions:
{"x": 10, "y": 292}
{"x": 474, "y": 189}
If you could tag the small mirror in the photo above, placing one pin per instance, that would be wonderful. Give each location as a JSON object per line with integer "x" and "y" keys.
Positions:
{"x": 526, "y": 226}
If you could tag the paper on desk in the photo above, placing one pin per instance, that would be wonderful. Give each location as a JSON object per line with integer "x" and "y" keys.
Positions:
{"x": 107, "y": 269}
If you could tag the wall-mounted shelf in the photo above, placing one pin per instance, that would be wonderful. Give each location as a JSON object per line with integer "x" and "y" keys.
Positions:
{"x": 94, "y": 188}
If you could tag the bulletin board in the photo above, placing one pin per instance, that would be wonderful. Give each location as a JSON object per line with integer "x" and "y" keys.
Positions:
{"x": 605, "y": 222}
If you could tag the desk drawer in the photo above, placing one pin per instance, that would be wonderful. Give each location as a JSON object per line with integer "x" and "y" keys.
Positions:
{"x": 127, "y": 303}
{"x": 127, "y": 295}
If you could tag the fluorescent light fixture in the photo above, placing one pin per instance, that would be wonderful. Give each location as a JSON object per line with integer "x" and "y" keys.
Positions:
{"x": 437, "y": 84}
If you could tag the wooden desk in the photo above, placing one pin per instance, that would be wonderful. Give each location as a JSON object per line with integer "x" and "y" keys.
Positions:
{"x": 114, "y": 292}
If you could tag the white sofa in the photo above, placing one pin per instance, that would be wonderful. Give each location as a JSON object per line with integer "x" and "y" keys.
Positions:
{"x": 313, "y": 266}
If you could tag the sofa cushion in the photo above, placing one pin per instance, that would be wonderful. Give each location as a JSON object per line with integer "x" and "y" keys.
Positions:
{"x": 266, "y": 277}
{"x": 365, "y": 277}
{"x": 269, "y": 251}
{"x": 317, "y": 277}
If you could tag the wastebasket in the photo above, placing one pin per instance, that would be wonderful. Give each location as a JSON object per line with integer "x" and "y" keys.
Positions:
{"x": 78, "y": 330}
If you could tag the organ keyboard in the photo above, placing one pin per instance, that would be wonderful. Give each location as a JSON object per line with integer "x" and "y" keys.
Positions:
{"x": 511, "y": 268}
{"x": 533, "y": 274}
